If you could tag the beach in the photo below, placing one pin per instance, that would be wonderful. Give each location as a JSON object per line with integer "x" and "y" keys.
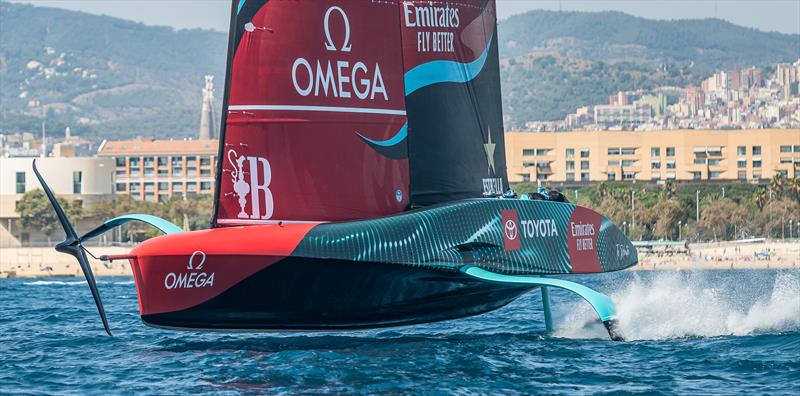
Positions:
{"x": 43, "y": 262}
{"x": 725, "y": 255}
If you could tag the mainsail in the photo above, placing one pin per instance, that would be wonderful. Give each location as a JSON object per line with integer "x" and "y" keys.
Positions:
{"x": 358, "y": 109}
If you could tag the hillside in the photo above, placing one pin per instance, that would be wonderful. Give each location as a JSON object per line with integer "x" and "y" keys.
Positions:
{"x": 103, "y": 75}
{"x": 110, "y": 77}
{"x": 557, "y": 61}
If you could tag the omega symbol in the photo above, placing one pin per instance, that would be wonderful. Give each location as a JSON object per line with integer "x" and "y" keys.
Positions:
{"x": 200, "y": 264}
{"x": 329, "y": 41}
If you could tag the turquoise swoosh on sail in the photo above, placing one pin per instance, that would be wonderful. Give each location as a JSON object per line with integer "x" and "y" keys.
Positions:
{"x": 394, "y": 147}
{"x": 421, "y": 76}
{"x": 445, "y": 71}
{"x": 397, "y": 138}
{"x": 241, "y": 4}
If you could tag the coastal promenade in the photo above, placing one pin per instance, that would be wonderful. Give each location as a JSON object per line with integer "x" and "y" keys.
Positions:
{"x": 40, "y": 262}
{"x": 726, "y": 255}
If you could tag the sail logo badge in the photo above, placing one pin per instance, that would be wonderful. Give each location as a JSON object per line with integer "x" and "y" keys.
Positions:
{"x": 193, "y": 277}
{"x": 510, "y": 224}
{"x": 492, "y": 186}
{"x": 338, "y": 78}
{"x": 253, "y": 185}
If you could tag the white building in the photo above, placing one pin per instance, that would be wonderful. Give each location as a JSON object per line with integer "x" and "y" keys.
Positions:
{"x": 85, "y": 179}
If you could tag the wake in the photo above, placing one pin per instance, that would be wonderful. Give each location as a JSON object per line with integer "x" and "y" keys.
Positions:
{"x": 693, "y": 304}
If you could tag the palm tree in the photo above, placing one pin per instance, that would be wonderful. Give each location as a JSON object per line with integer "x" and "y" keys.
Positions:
{"x": 777, "y": 185}
{"x": 710, "y": 198}
{"x": 795, "y": 186}
{"x": 668, "y": 190}
{"x": 760, "y": 198}
{"x": 602, "y": 190}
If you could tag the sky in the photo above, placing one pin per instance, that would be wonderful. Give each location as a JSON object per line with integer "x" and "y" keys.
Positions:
{"x": 768, "y": 15}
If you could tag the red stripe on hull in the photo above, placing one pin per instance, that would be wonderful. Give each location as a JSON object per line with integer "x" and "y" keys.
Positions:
{"x": 178, "y": 271}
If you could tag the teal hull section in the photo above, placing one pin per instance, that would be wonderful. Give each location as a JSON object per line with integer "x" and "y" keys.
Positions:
{"x": 507, "y": 236}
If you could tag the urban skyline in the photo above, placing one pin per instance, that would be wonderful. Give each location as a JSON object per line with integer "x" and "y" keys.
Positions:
{"x": 747, "y": 98}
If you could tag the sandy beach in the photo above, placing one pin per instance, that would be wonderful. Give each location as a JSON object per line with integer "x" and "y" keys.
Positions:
{"x": 42, "y": 262}
{"x": 725, "y": 255}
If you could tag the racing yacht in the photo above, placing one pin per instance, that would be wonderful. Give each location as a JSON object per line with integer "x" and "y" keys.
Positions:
{"x": 360, "y": 183}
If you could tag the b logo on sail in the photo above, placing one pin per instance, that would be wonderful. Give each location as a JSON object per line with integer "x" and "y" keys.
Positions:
{"x": 337, "y": 78}
{"x": 256, "y": 185}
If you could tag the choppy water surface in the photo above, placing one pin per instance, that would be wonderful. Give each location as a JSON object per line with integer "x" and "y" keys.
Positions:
{"x": 722, "y": 332}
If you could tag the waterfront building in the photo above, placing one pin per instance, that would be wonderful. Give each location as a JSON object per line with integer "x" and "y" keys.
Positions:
{"x": 82, "y": 179}
{"x": 156, "y": 170}
{"x": 680, "y": 155}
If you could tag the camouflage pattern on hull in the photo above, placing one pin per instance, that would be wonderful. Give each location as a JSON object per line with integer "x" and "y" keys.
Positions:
{"x": 509, "y": 236}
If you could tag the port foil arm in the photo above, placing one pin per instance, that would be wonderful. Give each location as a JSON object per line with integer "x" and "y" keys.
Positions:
{"x": 157, "y": 222}
{"x": 600, "y": 302}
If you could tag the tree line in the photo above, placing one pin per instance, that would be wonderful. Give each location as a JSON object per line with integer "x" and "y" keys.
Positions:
{"x": 645, "y": 211}
{"x": 192, "y": 213}
{"x": 694, "y": 211}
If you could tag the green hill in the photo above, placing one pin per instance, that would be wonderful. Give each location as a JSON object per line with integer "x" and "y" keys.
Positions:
{"x": 103, "y": 75}
{"x": 108, "y": 77}
{"x": 710, "y": 44}
{"x": 558, "y": 61}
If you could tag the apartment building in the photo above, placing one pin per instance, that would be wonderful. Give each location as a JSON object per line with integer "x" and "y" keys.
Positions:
{"x": 83, "y": 179}
{"x": 156, "y": 170}
{"x": 682, "y": 155}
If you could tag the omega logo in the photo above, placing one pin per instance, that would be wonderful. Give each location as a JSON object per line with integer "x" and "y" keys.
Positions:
{"x": 197, "y": 253}
{"x": 329, "y": 43}
{"x": 193, "y": 278}
{"x": 338, "y": 78}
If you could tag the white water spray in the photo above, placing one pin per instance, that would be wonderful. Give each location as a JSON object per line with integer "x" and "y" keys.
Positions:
{"x": 693, "y": 304}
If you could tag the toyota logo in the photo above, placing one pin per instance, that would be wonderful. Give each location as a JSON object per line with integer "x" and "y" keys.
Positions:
{"x": 510, "y": 230}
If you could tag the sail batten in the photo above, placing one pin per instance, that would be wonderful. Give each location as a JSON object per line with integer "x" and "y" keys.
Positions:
{"x": 333, "y": 109}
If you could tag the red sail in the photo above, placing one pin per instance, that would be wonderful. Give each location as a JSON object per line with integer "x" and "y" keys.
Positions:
{"x": 313, "y": 88}
{"x": 359, "y": 109}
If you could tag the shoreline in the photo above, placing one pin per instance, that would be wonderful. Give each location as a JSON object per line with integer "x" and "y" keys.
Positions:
{"x": 45, "y": 262}
{"x": 638, "y": 267}
{"x": 714, "y": 266}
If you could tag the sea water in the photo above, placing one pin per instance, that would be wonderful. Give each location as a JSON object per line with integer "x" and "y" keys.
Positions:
{"x": 707, "y": 332}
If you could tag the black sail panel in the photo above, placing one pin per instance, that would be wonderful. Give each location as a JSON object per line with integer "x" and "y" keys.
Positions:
{"x": 452, "y": 82}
